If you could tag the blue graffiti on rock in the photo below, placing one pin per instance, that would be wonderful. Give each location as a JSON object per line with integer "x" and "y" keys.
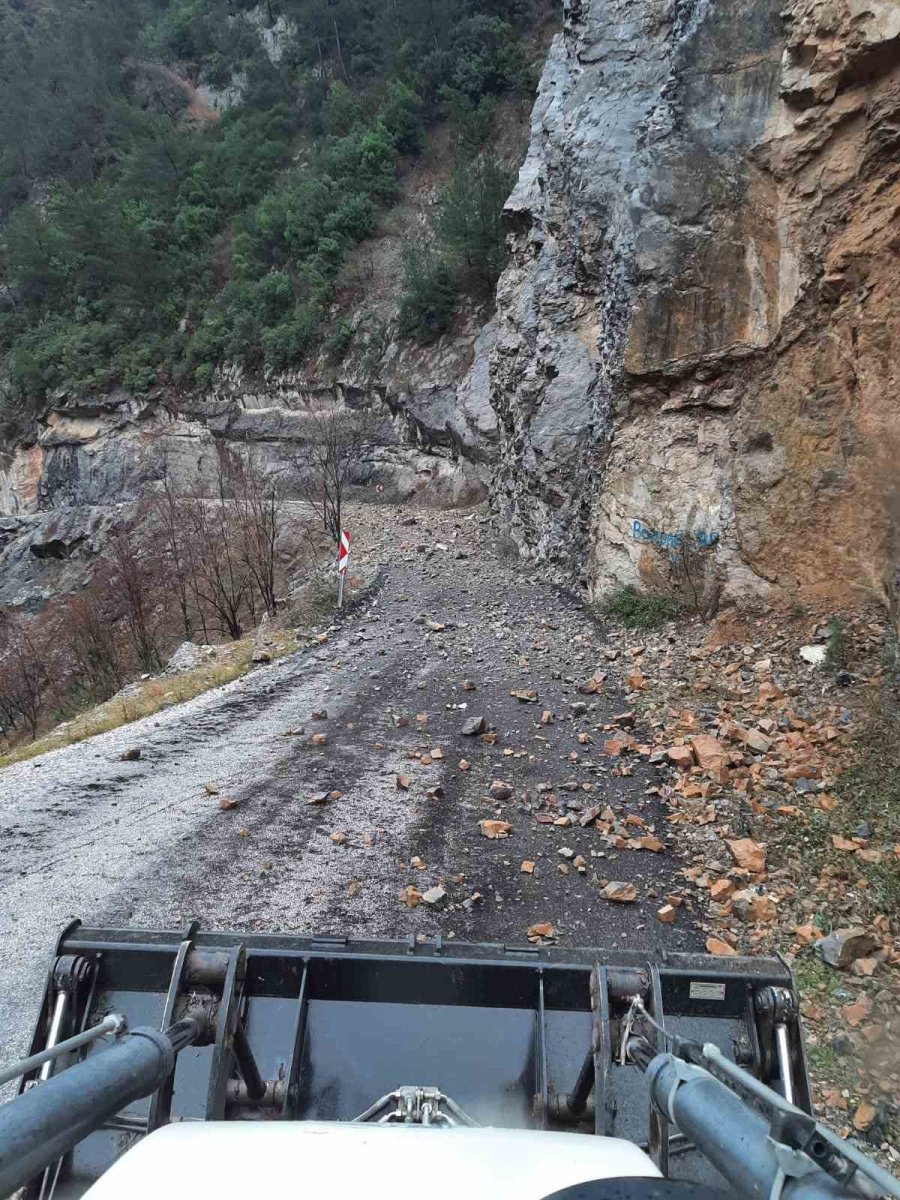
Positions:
{"x": 672, "y": 541}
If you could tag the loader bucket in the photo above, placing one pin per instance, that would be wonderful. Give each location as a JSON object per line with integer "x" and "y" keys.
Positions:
{"x": 325, "y": 1028}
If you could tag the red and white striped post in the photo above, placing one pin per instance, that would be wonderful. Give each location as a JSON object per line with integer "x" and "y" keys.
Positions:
{"x": 343, "y": 559}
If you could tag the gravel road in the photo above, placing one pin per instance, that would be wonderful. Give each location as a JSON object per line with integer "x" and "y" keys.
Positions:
{"x": 85, "y": 834}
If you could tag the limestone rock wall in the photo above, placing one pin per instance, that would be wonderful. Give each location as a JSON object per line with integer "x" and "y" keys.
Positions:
{"x": 699, "y": 327}
{"x": 84, "y": 466}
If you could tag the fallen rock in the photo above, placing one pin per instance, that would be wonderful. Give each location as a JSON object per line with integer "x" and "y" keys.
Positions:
{"x": 410, "y": 896}
{"x": 188, "y": 657}
{"x": 260, "y": 656}
{"x": 651, "y": 843}
{"x": 524, "y": 695}
{"x": 666, "y": 914}
{"x": 747, "y": 854}
{"x": 756, "y": 741}
{"x": 527, "y": 867}
{"x": 500, "y": 790}
{"x": 865, "y": 967}
{"x": 402, "y": 782}
{"x": 319, "y": 739}
{"x": 680, "y": 756}
{"x": 721, "y": 949}
{"x": 131, "y": 755}
{"x": 541, "y": 931}
{"x": 815, "y": 655}
{"x": 843, "y": 946}
{"x": 227, "y": 804}
{"x": 495, "y": 829}
{"x": 434, "y": 896}
{"x": 619, "y": 893}
{"x": 709, "y": 752}
{"x": 473, "y": 727}
{"x": 339, "y": 839}
{"x": 864, "y": 1116}
{"x": 754, "y": 907}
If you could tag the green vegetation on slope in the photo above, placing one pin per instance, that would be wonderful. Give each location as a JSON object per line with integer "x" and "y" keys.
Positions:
{"x": 142, "y": 240}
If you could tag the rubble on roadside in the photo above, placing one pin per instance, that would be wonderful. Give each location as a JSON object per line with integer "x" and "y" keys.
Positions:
{"x": 751, "y": 733}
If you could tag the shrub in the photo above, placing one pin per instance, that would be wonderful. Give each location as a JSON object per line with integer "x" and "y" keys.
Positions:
{"x": 640, "y": 610}
{"x": 837, "y": 647}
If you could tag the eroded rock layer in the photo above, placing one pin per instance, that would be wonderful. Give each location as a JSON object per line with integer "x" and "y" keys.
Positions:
{"x": 699, "y": 328}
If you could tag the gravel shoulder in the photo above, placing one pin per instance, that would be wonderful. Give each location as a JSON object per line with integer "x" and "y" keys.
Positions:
{"x": 452, "y": 631}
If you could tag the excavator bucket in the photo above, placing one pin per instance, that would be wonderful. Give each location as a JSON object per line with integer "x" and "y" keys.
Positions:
{"x": 339, "y": 1029}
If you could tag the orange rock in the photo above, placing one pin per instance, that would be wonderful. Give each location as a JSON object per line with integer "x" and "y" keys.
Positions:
{"x": 721, "y": 889}
{"x": 842, "y": 843}
{"x": 808, "y": 933}
{"x": 651, "y": 843}
{"x": 855, "y": 1014}
{"x": 748, "y": 854}
{"x": 709, "y": 752}
{"x": 543, "y": 929}
{"x": 527, "y": 867}
{"x": 716, "y": 946}
{"x": 864, "y": 1116}
{"x": 495, "y": 829}
{"x": 666, "y": 914}
{"x": 865, "y": 967}
{"x": 680, "y": 756}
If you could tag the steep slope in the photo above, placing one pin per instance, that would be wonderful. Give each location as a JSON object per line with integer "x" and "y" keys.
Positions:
{"x": 698, "y": 329}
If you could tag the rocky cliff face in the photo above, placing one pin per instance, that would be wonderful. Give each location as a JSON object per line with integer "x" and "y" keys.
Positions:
{"x": 700, "y": 324}
{"x": 84, "y": 465}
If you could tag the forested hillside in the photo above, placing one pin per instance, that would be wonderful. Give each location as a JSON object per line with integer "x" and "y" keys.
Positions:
{"x": 180, "y": 182}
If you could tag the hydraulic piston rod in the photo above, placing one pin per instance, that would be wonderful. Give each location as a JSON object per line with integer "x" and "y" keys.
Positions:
{"x": 43, "y": 1123}
{"x": 742, "y": 1144}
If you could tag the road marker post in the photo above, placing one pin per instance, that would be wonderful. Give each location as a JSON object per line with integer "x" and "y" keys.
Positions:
{"x": 343, "y": 559}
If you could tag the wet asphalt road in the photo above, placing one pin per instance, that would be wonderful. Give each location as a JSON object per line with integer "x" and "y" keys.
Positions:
{"x": 144, "y": 844}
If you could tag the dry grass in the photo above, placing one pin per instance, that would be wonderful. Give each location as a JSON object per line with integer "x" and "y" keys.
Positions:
{"x": 231, "y": 661}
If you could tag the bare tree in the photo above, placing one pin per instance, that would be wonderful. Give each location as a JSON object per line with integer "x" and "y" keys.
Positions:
{"x": 326, "y": 462}
{"x": 258, "y": 505}
{"x": 221, "y": 578}
{"x": 134, "y": 586}
{"x": 177, "y": 552}
{"x": 24, "y": 675}
{"x": 90, "y": 648}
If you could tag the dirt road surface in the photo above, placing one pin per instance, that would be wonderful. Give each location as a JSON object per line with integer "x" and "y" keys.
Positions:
{"x": 451, "y": 630}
